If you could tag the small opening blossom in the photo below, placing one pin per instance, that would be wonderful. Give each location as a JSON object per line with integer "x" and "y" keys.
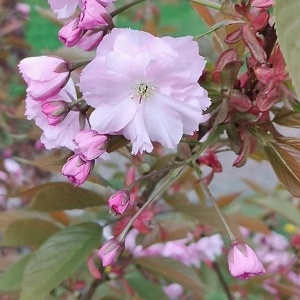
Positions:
{"x": 44, "y": 75}
{"x": 69, "y": 34}
{"x": 119, "y": 202}
{"x": 243, "y": 262}
{"x": 155, "y": 94}
{"x": 110, "y": 251}
{"x": 77, "y": 170}
{"x": 91, "y": 145}
{"x": 93, "y": 15}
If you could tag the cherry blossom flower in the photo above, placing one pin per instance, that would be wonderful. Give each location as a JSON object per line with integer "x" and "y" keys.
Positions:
{"x": 64, "y": 8}
{"x": 119, "y": 202}
{"x": 243, "y": 262}
{"x": 156, "y": 96}
{"x": 44, "y": 75}
{"x": 63, "y": 133}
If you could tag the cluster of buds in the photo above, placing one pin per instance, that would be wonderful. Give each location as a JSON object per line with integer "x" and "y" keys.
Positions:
{"x": 90, "y": 146}
{"x": 88, "y": 29}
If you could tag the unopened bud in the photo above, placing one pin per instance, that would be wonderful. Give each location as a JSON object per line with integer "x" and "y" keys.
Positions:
{"x": 110, "y": 251}
{"x": 243, "y": 262}
{"x": 56, "y": 111}
{"x": 119, "y": 202}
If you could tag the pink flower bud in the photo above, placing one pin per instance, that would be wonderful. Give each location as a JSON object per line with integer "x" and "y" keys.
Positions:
{"x": 77, "y": 170}
{"x": 119, "y": 202}
{"x": 93, "y": 15}
{"x": 56, "y": 111}
{"x": 91, "y": 145}
{"x": 90, "y": 40}
{"x": 243, "y": 262}
{"x": 110, "y": 251}
{"x": 69, "y": 34}
{"x": 44, "y": 75}
{"x": 24, "y": 9}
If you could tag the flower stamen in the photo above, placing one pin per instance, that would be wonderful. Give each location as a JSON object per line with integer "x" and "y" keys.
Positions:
{"x": 143, "y": 90}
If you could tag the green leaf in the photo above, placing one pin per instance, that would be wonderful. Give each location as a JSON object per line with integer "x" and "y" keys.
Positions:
{"x": 276, "y": 203}
{"x": 287, "y": 117}
{"x": 287, "y": 24}
{"x": 284, "y": 156}
{"x": 58, "y": 258}
{"x": 12, "y": 278}
{"x": 63, "y": 196}
{"x": 29, "y": 232}
{"x": 145, "y": 288}
{"x": 173, "y": 271}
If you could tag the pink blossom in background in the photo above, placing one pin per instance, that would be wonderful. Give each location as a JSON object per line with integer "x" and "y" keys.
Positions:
{"x": 77, "y": 170}
{"x": 119, "y": 202}
{"x": 90, "y": 40}
{"x": 64, "y": 8}
{"x": 24, "y": 9}
{"x": 44, "y": 75}
{"x": 63, "y": 133}
{"x": 91, "y": 145}
{"x": 243, "y": 262}
{"x": 185, "y": 250}
{"x": 173, "y": 291}
{"x": 210, "y": 247}
{"x": 272, "y": 250}
{"x": 110, "y": 251}
{"x": 155, "y": 86}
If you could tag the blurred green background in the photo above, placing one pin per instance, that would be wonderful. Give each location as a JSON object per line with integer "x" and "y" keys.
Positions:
{"x": 179, "y": 16}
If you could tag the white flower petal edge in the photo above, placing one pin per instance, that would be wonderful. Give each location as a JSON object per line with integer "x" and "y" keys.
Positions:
{"x": 145, "y": 88}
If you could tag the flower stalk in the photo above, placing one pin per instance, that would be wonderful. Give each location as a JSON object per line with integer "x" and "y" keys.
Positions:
{"x": 208, "y": 4}
{"x": 166, "y": 185}
{"x": 123, "y": 8}
{"x": 214, "y": 202}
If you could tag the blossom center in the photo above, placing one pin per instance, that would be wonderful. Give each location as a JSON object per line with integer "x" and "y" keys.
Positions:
{"x": 143, "y": 90}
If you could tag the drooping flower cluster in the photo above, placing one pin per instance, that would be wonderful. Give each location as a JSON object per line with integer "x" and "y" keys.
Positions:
{"x": 155, "y": 96}
{"x": 87, "y": 29}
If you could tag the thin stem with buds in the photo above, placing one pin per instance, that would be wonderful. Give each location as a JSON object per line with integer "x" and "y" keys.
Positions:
{"x": 149, "y": 201}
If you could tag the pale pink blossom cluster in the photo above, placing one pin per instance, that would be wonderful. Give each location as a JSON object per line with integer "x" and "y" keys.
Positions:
{"x": 273, "y": 251}
{"x": 139, "y": 86}
{"x": 189, "y": 252}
